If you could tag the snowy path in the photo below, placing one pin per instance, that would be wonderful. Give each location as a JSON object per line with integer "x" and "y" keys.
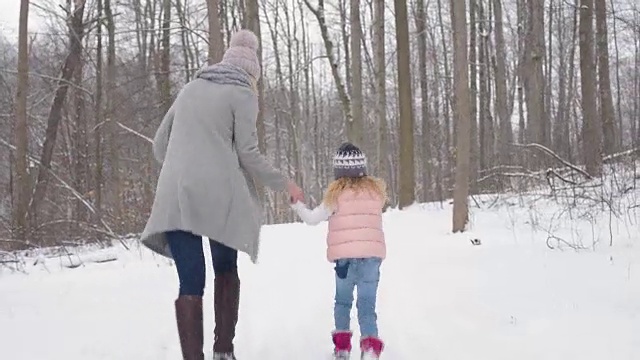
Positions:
{"x": 440, "y": 298}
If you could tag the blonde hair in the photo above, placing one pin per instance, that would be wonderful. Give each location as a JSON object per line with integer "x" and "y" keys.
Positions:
{"x": 254, "y": 85}
{"x": 370, "y": 184}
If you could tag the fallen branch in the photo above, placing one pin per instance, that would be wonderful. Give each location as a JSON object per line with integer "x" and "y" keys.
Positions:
{"x": 498, "y": 168}
{"x": 24, "y": 243}
{"x": 562, "y": 241}
{"x": 549, "y": 152}
{"x": 12, "y": 261}
{"x": 616, "y": 156}
{"x": 9, "y": 261}
{"x": 532, "y": 175}
{"x": 551, "y": 172}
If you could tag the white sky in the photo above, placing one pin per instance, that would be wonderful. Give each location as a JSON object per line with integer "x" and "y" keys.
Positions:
{"x": 9, "y": 15}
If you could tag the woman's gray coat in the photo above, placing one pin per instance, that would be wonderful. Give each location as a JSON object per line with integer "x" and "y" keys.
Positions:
{"x": 208, "y": 148}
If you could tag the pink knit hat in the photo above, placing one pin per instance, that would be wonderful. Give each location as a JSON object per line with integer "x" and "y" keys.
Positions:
{"x": 242, "y": 52}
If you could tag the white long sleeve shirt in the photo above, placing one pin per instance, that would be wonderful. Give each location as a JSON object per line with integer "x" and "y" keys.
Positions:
{"x": 312, "y": 217}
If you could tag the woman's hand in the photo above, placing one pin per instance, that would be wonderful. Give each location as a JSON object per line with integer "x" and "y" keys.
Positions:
{"x": 295, "y": 193}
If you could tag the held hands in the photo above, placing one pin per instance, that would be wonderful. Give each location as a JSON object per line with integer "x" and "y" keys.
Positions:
{"x": 295, "y": 192}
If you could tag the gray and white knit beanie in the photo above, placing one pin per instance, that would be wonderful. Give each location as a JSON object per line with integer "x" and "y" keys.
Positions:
{"x": 349, "y": 161}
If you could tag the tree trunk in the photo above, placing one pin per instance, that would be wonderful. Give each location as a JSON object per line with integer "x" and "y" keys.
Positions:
{"x": 165, "y": 58}
{"x": 216, "y": 44}
{"x": 620, "y": 118}
{"x": 421, "y": 28}
{"x": 534, "y": 81}
{"x": 447, "y": 103}
{"x": 506, "y": 132}
{"x": 328, "y": 45}
{"x": 252, "y": 22}
{"x": 473, "y": 91}
{"x": 521, "y": 67}
{"x": 406, "y": 173}
{"x": 606, "y": 99}
{"x": 569, "y": 114}
{"x": 342, "y": 10}
{"x": 252, "y": 18}
{"x": 591, "y": 130}
{"x": 485, "y": 122}
{"x": 292, "y": 93}
{"x": 355, "y": 128}
{"x": 80, "y": 159}
{"x": 557, "y": 139}
{"x": 187, "y": 53}
{"x": 76, "y": 33}
{"x": 462, "y": 116}
{"x": 111, "y": 97}
{"x": 99, "y": 164}
{"x": 381, "y": 88}
{"x": 439, "y": 126}
{"x": 635, "y": 127}
{"x": 22, "y": 182}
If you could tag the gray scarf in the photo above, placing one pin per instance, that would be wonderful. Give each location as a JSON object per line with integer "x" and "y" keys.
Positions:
{"x": 224, "y": 74}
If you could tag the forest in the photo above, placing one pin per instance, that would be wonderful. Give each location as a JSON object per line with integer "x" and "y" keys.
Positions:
{"x": 449, "y": 99}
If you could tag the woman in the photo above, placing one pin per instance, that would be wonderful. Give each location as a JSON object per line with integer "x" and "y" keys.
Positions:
{"x": 208, "y": 148}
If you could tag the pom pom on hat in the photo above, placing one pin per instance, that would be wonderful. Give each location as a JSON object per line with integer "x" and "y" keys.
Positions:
{"x": 244, "y": 38}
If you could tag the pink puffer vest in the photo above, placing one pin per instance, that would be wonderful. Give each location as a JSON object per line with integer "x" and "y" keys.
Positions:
{"x": 355, "y": 228}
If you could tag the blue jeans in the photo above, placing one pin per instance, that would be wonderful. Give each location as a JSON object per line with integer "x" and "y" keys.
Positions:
{"x": 186, "y": 249}
{"x": 365, "y": 274}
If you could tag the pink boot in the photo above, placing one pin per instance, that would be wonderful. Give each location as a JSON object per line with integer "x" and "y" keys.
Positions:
{"x": 371, "y": 347}
{"x": 342, "y": 344}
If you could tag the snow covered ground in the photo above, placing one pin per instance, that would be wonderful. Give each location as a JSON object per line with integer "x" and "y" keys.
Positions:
{"x": 440, "y": 296}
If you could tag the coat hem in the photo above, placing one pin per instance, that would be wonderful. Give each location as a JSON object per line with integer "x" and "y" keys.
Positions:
{"x": 157, "y": 243}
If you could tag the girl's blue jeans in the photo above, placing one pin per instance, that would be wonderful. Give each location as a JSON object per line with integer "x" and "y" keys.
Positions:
{"x": 365, "y": 275}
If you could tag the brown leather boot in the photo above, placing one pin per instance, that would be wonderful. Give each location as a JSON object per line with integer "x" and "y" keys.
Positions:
{"x": 226, "y": 302}
{"x": 189, "y": 320}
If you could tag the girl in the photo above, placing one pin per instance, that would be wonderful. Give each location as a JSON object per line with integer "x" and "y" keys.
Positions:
{"x": 353, "y": 205}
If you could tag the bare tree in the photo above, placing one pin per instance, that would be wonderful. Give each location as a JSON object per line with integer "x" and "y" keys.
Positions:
{"x": 534, "y": 80}
{"x": 462, "y": 114}
{"x": 252, "y": 22}
{"x": 99, "y": 116}
{"x": 111, "y": 99}
{"x": 606, "y": 99}
{"x": 216, "y": 44}
{"x": 164, "y": 66}
{"x": 319, "y": 13}
{"x": 355, "y": 127}
{"x": 591, "y": 129}
{"x": 506, "y": 133}
{"x": 22, "y": 175}
{"x": 381, "y": 87}
{"x": 421, "y": 28}
{"x": 406, "y": 171}
{"x": 73, "y": 59}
